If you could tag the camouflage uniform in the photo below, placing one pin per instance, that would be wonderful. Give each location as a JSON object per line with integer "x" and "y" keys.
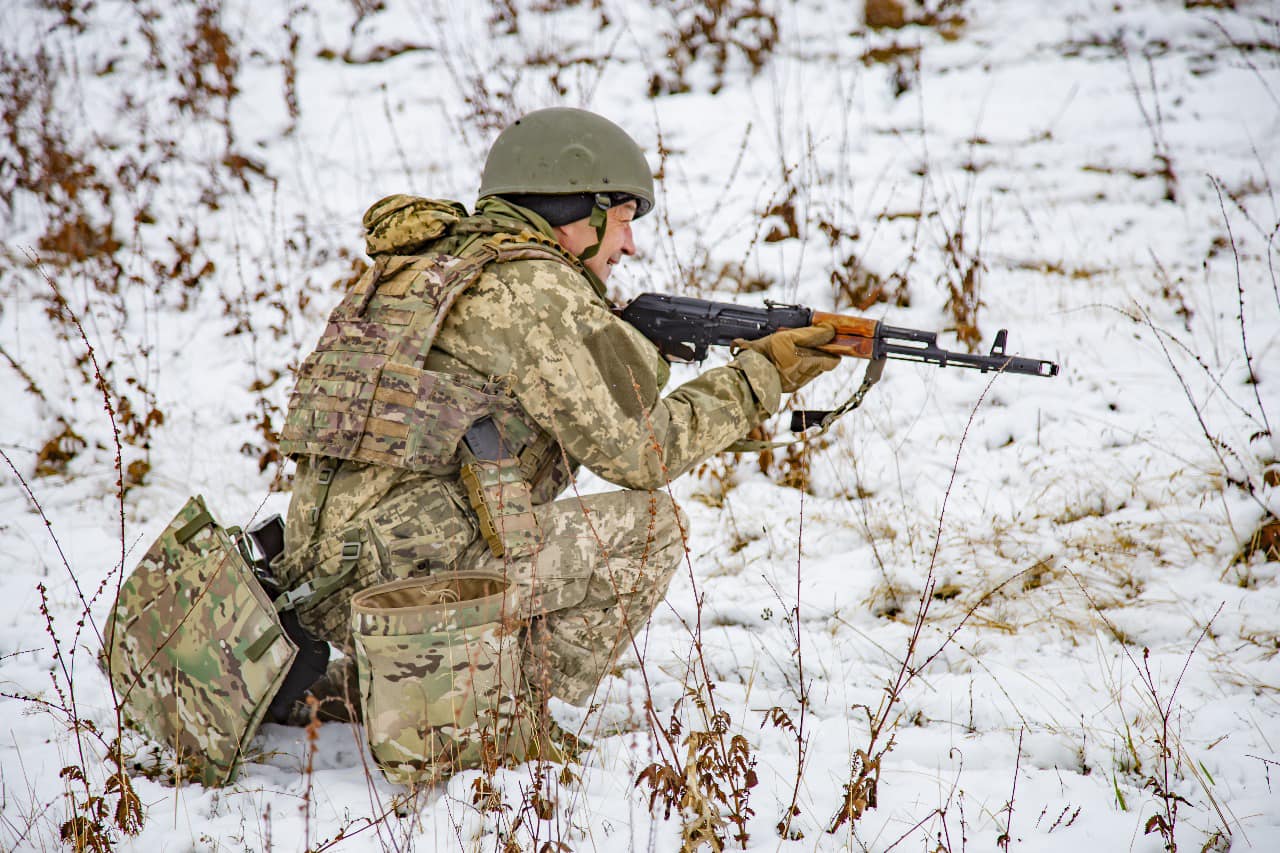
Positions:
{"x": 589, "y": 387}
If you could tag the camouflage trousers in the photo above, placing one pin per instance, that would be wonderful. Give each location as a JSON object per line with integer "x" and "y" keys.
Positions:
{"x": 601, "y": 565}
{"x": 613, "y": 556}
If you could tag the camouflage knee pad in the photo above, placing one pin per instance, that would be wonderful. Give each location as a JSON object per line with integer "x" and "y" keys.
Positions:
{"x": 439, "y": 673}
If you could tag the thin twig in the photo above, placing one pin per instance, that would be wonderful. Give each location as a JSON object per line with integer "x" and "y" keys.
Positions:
{"x": 860, "y": 790}
{"x": 1244, "y": 338}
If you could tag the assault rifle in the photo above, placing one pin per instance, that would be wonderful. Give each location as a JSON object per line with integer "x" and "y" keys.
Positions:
{"x": 683, "y": 328}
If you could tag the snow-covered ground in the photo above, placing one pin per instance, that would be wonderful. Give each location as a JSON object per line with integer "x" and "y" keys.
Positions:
{"x": 1093, "y": 654}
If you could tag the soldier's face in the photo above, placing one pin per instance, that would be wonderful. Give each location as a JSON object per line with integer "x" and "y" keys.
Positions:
{"x": 577, "y": 236}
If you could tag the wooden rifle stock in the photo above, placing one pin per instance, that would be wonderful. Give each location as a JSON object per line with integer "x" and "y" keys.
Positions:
{"x": 855, "y": 336}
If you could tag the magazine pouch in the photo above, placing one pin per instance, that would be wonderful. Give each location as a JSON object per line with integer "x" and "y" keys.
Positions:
{"x": 193, "y": 646}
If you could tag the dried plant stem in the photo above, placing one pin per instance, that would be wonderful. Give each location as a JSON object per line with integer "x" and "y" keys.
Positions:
{"x": 784, "y": 827}
{"x": 1244, "y": 337}
{"x": 32, "y": 387}
{"x": 87, "y": 826}
{"x": 1165, "y": 820}
{"x": 860, "y": 792}
{"x": 1006, "y": 836}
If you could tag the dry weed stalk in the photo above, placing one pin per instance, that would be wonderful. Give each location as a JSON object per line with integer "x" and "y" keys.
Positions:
{"x": 1005, "y": 838}
{"x": 1154, "y": 119}
{"x": 711, "y": 787}
{"x": 962, "y": 277}
{"x": 95, "y": 818}
{"x": 862, "y": 789}
{"x": 961, "y": 249}
{"x": 1169, "y": 751}
{"x": 1248, "y": 465}
{"x": 715, "y": 30}
{"x": 856, "y": 286}
{"x": 777, "y": 716}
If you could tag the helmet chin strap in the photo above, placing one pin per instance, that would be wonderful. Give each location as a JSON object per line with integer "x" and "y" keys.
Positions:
{"x": 599, "y": 220}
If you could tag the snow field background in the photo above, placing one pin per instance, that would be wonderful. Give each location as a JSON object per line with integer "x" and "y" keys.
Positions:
{"x": 1106, "y": 169}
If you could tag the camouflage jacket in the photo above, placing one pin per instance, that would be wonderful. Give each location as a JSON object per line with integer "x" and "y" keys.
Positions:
{"x": 591, "y": 380}
{"x": 589, "y": 383}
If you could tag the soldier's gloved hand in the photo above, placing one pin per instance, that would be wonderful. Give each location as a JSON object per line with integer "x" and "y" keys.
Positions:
{"x": 791, "y": 352}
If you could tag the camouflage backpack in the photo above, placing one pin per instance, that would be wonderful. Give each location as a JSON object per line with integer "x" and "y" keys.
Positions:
{"x": 194, "y": 647}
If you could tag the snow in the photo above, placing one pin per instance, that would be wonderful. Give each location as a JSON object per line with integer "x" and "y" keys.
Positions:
{"x": 1078, "y": 534}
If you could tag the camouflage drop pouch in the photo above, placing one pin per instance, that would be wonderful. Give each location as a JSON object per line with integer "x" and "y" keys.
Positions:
{"x": 194, "y": 647}
{"x": 438, "y": 673}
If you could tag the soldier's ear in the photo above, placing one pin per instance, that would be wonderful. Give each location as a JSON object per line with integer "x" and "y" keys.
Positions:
{"x": 574, "y": 237}
{"x": 562, "y": 238}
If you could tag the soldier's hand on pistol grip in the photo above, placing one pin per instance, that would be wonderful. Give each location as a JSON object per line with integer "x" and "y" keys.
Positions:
{"x": 791, "y": 352}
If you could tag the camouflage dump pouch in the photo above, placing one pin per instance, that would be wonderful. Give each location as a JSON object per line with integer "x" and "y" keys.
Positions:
{"x": 438, "y": 671}
{"x": 194, "y": 647}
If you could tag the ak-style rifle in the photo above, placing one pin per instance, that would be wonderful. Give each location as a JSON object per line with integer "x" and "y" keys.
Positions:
{"x": 683, "y": 328}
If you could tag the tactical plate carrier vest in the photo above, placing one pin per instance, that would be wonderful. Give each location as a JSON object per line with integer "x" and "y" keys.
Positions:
{"x": 365, "y": 395}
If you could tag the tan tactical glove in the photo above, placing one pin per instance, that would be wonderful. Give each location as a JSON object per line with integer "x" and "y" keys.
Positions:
{"x": 791, "y": 353}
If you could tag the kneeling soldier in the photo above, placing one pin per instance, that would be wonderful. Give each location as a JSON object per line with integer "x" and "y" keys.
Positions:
{"x": 454, "y": 392}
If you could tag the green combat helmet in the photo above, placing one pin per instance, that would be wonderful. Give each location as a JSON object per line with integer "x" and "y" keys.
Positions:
{"x": 573, "y": 154}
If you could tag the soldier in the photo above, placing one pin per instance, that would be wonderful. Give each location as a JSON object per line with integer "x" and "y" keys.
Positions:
{"x": 457, "y": 388}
